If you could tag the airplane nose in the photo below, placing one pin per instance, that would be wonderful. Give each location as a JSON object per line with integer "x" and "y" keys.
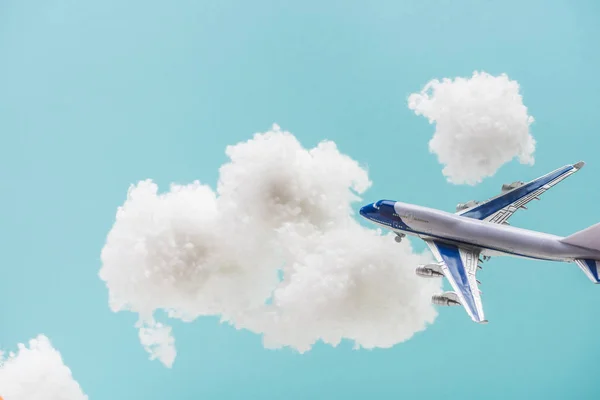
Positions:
{"x": 367, "y": 210}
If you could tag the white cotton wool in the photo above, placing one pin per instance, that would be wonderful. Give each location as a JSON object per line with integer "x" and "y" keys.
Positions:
{"x": 279, "y": 209}
{"x": 271, "y": 179}
{"x": 37, "y": 372}
{"x": 158, "y": 341}
{"x": 481, "y": 124}
{"x": 170, "y": 251}
{"x": 348, "y": 283}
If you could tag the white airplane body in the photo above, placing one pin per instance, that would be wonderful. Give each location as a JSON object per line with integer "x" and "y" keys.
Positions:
{"x": 481, "y": 229}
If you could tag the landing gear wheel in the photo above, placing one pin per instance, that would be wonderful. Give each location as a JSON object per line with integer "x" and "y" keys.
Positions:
{"x": 398, "y": 238}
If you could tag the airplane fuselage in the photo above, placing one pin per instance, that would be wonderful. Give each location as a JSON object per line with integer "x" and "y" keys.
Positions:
{"x": 480, "y": 229}
{"x": 493, "y": 239}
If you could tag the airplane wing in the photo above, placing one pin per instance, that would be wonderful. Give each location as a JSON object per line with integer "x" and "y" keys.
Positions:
{"x": 459, "y": 265}
{"x": 515, "y": 196}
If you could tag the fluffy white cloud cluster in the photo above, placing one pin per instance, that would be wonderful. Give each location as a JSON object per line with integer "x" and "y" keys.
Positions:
{"x": 275, "y": 250}
{"x": 481, "y": 124}
{"x": 37, "y": 373}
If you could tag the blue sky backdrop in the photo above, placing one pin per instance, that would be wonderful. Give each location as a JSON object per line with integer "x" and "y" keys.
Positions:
{"x": 95, "y": 96}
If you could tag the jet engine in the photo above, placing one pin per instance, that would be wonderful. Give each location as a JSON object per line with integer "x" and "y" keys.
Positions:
{"x": 510, "y": 186}
{"x": 446, "y": 299}
{"x": 468, "y": 204}
{"x": 429, "y": 271}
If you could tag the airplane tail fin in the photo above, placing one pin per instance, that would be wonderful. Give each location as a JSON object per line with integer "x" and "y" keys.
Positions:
{"x": 588, "y": 238}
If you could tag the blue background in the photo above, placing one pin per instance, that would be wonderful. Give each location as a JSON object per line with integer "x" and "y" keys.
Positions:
{"x": 97, "y": 95}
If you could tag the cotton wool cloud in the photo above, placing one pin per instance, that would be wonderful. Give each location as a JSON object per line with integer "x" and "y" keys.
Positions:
{"x": 276, "y": 249}
{"x": 37, "y": 372}
{"x": 480, "y": 122}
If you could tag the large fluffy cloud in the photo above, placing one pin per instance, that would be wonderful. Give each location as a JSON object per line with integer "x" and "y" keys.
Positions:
{"x": 37, "y": 372}
{"x": 275, "y": 250}
{"x": 481, "y": 124}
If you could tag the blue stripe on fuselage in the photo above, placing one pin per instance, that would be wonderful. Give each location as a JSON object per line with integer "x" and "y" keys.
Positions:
{"x": 485, "y": 210}
{"x": 451, "y": 255}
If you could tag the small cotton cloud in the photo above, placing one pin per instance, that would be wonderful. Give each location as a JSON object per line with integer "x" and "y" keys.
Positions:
{"x": 276, "y": 250}
{"x": 158, "y": 341}
{"x": 37, "y": 372}
{"x": 481, "y": 124}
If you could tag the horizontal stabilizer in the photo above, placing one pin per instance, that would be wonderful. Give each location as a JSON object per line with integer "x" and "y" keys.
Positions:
{"x": 588, "y": 238}
{"x": 591, "y": 268}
